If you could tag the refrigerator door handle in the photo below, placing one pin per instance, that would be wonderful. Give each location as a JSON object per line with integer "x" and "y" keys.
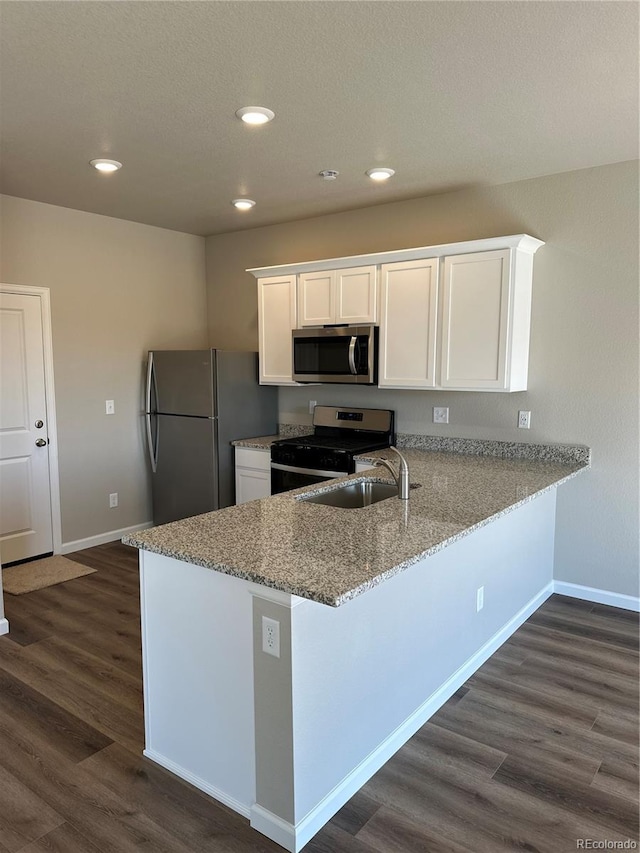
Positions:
{"x": 152, "y": 455}
{"x": 151, "y": 381}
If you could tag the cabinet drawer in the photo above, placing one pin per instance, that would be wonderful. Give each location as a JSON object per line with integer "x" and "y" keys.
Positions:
{"x": 250, "y": 457}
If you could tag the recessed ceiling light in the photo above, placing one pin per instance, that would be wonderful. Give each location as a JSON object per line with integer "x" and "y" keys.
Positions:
{"x": 106, "y": 165}
{"x": 243, "y": 203}
{"x": 380, "y": 174}
{"x": 255, "y": 115}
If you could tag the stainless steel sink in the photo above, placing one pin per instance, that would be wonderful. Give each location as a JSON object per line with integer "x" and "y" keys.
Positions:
{"x": 355, "y": 495}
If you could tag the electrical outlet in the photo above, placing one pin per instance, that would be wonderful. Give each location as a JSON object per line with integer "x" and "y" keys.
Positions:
{"x": 271, "y": 636}
{"x": 113, "y": 500}
{"x": 440, "y": 415}
{"x": 524, "y": 420}
{"x": 110, "y": 407}
{"x": 479, "y": 599}
{"x": 312, "y": 405}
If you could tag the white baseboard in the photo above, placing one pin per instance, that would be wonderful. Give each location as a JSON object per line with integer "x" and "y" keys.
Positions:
{"x": 294, "y": 838}
{"x": 197, "y": 782}
{"x": 4, "y": 627}
{"x": 278, "y": 830}
{"x": 599, "y": 596}
{"x": 102, "y": 538}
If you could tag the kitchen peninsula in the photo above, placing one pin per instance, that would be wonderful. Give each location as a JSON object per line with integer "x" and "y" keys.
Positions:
{"x": 374, "y": 617}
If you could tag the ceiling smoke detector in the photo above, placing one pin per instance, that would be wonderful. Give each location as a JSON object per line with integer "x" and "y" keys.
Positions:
{"x": 329, "y": 174}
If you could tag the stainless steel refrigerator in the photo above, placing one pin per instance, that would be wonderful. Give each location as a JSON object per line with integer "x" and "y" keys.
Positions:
{"x": 197, "y": 402}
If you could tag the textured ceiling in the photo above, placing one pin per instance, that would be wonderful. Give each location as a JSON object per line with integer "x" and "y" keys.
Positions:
{"x": 449, "y": 94}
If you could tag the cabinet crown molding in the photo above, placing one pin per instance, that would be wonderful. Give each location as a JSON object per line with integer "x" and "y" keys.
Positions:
{"x": 523, "y": 242}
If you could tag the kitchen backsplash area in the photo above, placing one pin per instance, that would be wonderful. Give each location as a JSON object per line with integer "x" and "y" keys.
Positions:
{"x": 471, "y": 415}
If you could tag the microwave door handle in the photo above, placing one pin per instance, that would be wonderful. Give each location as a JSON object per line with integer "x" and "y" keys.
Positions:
{"x": 352, "y": 355}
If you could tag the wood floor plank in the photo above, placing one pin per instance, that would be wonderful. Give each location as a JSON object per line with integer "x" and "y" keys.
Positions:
{"x": 495, "y": 722}
{"x": 550, "y": 785}
{"x": 442, "y": 747}
{"x": 619, "y": 728}
{"x": 58, "y": 654}
{"x": 64, "y": 839}
{"x": 110, "y": 718}
{"x": 472, "y": 812}
{"x": 596, "y": 690}
{"x": 24, "y": 817}
{"x": 105, "y": 818}
{"x": 332, "y": 839}
{"x": 71, "y": 737}
{"x": 618, "y": 777}
{"x": 169, "y": 802}
{"x": 551, "y": 643}
{"x": 527, "y": 699}
{"x": 390, "y": 831}
{"x": 353, "y": 816}
{"x": 590, "y": 626}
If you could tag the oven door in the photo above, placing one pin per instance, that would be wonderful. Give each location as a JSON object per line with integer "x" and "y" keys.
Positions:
{"x": 287, "y": 477}
{"x": 344, "y": 355}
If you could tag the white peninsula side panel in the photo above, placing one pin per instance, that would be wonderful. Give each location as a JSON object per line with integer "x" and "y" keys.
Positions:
{"x": 287, "y": 740}
{"x": 197, "y": 659}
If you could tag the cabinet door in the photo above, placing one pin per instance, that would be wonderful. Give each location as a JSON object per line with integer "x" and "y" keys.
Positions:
{"x": 408, "y": 322}
{"x": 475, "y": 321}
{"x": 356, "y": 295}
{"x": 316, "y": 298}
{"x": 252, "y": 484}
{"x": 276, "y": 319}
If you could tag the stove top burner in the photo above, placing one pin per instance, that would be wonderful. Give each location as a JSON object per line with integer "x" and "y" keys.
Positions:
{"x": 351, "y": 444}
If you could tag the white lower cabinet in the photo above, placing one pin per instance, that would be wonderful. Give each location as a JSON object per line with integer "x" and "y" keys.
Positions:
{"x": 253, "y": 474}
{"x": 408, "y": 324}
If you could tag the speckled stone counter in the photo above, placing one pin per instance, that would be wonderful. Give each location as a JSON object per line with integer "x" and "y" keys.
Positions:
{"x": 331, "y": 555}
{"x": 262, "y": 442}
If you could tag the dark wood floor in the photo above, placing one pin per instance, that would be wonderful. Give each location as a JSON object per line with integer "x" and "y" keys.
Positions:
{"x": 537, "y": 750}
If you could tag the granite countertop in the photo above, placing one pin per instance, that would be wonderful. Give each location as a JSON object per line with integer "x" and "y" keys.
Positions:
{"x": 263, "y": 442}
{"x": 331, "y": 555}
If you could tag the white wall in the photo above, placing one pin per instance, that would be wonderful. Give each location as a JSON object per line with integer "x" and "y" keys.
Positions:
{"x": 583, "y": 377}
{"x": 118, "y": 289}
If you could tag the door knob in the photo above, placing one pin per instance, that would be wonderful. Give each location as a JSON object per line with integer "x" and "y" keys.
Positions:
{"x": 39, "y": 424}
{"x": 40, "y": 442}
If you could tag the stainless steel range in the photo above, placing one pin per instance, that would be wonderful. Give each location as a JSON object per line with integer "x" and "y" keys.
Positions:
{"x": 339, "y": 434}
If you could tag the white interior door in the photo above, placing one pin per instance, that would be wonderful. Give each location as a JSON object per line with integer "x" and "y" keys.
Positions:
{"x": 25, "y": 492}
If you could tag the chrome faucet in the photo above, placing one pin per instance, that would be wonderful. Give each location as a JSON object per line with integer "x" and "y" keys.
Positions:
{"x": 402, "y": 477}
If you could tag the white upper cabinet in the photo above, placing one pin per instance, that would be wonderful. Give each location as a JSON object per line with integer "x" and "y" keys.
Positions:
{"x": 316, "y": 298}
{"x": 486, "y": 313}
{"x": 452, "y": 317}
{"x": 408, "y": 324}
{"x": 330, "y": 297}
{"x": 276, "y": 319}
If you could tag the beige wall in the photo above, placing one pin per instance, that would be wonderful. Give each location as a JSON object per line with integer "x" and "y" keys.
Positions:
{"x": 583, "y": 383}
{"x": 117, "y": 289}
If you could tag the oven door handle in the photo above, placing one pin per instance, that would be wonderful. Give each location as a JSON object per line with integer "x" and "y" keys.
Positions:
{"x": 352, "y": 355}
{"x": 313, "y": 471}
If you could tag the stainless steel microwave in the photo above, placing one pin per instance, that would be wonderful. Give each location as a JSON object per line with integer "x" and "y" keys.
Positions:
{"x": 341, "y": 354}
